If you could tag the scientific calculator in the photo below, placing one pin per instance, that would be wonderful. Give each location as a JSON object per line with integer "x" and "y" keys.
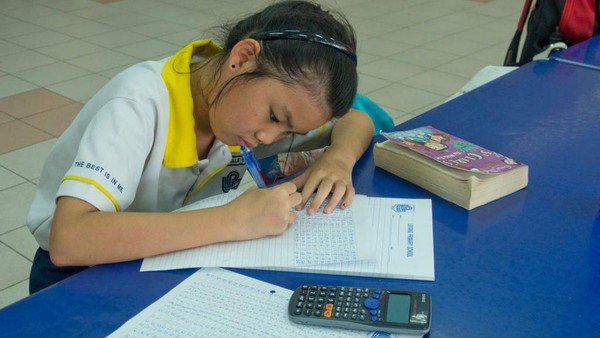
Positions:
{"x": 361, "y": 308}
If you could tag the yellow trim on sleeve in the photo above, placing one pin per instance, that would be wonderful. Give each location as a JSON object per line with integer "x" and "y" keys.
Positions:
{"x": 97, "y": 186}
{"x": 203, "y": 183}
{"x": 180, "y": 149}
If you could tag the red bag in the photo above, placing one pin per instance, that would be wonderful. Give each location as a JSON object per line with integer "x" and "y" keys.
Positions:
{"x": 551, "y": 22}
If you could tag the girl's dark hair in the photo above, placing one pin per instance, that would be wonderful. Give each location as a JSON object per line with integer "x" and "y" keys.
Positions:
{"x": 320, "y": 68}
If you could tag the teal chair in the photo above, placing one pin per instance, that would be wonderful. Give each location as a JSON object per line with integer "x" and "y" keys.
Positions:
{"x": 381, "y": 119}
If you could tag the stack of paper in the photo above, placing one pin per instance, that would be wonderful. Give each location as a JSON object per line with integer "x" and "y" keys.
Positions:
{"x": 380, "y": 237}
{"x": 219, "y": 303}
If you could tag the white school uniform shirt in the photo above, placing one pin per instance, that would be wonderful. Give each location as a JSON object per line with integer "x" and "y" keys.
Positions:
{"x": 132, "y": 147}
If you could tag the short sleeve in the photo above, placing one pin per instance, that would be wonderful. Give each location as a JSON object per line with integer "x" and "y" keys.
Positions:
{"x": 111, "y": 156}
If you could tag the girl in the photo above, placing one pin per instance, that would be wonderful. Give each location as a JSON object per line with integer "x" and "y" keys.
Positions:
{"x": 164, "y": 133}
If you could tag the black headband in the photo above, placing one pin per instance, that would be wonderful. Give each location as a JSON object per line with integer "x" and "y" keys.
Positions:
{"x": 292, "y": 34}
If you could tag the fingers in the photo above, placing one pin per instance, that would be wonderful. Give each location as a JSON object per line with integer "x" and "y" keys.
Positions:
{"x": 320, "y": 196}
{"x": 292, "y": 217}
{"x": 340, "y": 190}
{"x": 338, "y": 193}
{"x": 309, "y": 188}
{"x": 348, "y": 197}
{"x": 295, "y": 199}
{"x": 288, "y": 187}
{"x": 300, "y": 180}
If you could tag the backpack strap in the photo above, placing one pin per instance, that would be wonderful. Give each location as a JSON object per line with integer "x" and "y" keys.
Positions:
{"x": 577, "y": 20}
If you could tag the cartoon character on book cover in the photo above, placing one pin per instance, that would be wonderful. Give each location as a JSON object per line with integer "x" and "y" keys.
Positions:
{"x": 452, "y": 151}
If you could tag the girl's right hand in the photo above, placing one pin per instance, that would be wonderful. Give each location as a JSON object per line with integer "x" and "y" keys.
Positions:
{"x": 262, "y": 212}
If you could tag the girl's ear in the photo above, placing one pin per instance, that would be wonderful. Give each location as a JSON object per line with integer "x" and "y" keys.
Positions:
{"x": 243, "y": 56}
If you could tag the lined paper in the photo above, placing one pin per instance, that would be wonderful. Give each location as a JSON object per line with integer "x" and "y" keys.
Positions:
{"x": 342, "y": 236}
{"x": 404, "y": 243}
{"x": 398, "y": 232}
{"x": 215, "y": 302}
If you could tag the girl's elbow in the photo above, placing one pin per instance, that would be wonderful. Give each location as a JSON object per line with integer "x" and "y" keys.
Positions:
{"x": 62, "y": 252}
{"x": 58, "y": 259}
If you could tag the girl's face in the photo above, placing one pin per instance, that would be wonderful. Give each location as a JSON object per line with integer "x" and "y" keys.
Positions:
{"x": 264, "y": 110}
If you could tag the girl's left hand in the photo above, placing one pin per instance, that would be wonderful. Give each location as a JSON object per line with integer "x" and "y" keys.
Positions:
{"x": 329, "y": 175}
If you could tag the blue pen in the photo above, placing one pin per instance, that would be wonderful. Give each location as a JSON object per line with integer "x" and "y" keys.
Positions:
{"x": 253, "y": 166}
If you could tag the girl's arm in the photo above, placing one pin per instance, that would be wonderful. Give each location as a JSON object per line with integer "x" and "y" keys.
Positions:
{"x": 332, "y": 172}
{"x": 82, "y": 235}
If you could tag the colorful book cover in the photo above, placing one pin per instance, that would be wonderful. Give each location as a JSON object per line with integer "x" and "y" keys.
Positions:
{"x": 452, "y": 151}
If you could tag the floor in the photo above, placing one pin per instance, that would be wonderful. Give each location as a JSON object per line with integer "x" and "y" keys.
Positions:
{"x": 55, "y": 54}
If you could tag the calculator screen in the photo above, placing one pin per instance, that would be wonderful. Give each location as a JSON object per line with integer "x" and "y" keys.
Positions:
{"x": 398, "y": 308}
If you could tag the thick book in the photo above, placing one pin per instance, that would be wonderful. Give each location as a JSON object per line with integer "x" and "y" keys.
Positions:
{"x": 452, "y": 168}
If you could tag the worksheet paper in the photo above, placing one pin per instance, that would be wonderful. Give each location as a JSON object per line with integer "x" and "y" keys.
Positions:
{"x": 400, "y": 231}
{"x": 404, "y": 242}
{"x": 342, "y": 236}
{"x": 215, "y": 302}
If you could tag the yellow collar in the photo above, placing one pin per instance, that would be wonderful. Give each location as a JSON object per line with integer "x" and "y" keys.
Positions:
{"x": 180, "y": 150}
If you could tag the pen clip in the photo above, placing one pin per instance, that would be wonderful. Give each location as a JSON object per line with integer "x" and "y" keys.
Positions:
{"x": 253, "y": 166}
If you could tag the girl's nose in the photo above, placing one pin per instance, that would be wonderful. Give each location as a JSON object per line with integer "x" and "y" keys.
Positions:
{"x": 270, "y": 136}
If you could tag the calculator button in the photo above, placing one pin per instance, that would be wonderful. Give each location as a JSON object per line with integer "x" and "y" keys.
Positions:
{"x": 298, "y": 312}
{"x": 327, "y": 314}
{"x": 374, "y": 318}
{"x": 301, "y": 298}
{"x": 319, "y": 306}
{"x": 345, "y": 316}
{"x": 354, "y": 317}
{"x": 309, "y": 305}
{"x": 330, "y": 300}
{"x": 376, "y": 296}
{"x": 373, "y": 312}
{"x": 378, "y": 291}
{"x": 311, "y": 299}
{"x": 332, "y": 294}
{"x": 317, "y": 313}
{"x": 307, "y": 312}
{"x": 314, "y": 287}
{"x": 304, "y": 287}
{"x": 371, "y": 303}
{"x": 300, "y": 304}
{"x": 336, "y": 314}
{"x": 312, "y": 293}
{"x": 362, "y": 317}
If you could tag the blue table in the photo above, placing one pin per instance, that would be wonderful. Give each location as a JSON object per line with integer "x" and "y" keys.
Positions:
{"x": 525, "y": 265}
{"x": 584, "y": 54}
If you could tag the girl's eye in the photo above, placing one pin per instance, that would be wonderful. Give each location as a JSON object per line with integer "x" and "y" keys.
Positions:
{"x": 273, "y": 117}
